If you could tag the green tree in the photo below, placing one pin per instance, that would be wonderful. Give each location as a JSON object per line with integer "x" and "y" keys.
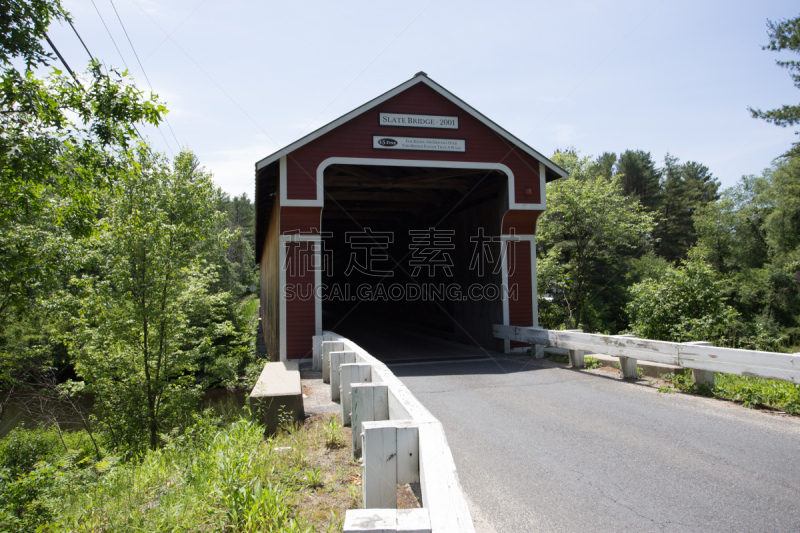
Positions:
{"x": 640, "y": 178}
{"x": 585, "y": 241}
{"x": 751, "y": 236}
{"x": 784, "y": 35}
{"x": 240, "y": 256}
{"x": 606, "y": 162}
{"x": 685, "y": 188}
{"x": 134, "y": 341}
{"x": 580, "y": 168}
{"x": 732, "y": 232}
{"x": 58, "y": 143}
{"x": 686, "y": 304}
{"x": 783, "y": 222}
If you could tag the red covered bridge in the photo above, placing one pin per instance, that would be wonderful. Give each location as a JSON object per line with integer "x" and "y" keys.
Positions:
{"x": 413, "y": 208}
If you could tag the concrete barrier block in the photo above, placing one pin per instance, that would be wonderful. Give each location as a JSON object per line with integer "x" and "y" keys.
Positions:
{"x": 351, "y": 373}
{"x": 337, "y": 359}
{"x": 370, "y": 403}
{"x": 277, "y": 396}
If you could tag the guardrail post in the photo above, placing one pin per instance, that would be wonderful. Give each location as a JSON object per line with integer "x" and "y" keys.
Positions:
{"x": 379, "y": 471}
{"x": 351, "y": 373}
{"x": 327, "y": 348}
{"x": 391, "y": 456}
{"x": 407, "y": 451}
{"x": 370, "y": 402}
{"x": 337, "y": 359}
{"x": 702, "y": 377}
{"x": 628, "y": 366}
{"x": 316, "y": 350}
{"x": 576, "y": 356}
{"x": 537, "y": 350}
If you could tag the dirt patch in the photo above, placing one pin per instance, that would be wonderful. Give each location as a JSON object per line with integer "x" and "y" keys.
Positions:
{"x": 328, "y": 481}
{"x": 406, "y": 498}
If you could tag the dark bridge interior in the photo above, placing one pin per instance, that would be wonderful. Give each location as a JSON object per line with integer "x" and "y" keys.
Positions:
{"x": 388, "y": 264}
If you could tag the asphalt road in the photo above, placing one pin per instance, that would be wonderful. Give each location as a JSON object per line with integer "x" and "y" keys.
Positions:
{"x": 540, "y": 447}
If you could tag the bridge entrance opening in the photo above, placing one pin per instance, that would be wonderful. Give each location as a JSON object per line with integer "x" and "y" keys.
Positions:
{"x": 418, "y": 247}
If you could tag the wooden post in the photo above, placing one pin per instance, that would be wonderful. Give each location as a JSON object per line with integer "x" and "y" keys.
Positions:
{"x": 414, "y": 520}
{"x": 316, "y": 350}
{"x": 391, "y": 456}
{"x": 327, "y": 348}
{"x": 337, "y": 359}
{"x": 383, "y": 520}
{"x": 576, "y": 356}
{"x": 379, "y": 470}
{"x": 407, "y": 451}
{"x": 628, "y": 366}
{"x": 351, "y": 373}
{"x": 370, "y": 521}
{"x": 702, "y": 377}
{"x": 370, "y": 402}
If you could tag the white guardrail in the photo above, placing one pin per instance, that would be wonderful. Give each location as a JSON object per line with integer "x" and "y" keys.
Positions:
{"x": 701, "y": 357}
{"x": 400, "y": 442}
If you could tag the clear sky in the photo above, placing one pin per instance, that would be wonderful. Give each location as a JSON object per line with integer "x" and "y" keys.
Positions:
{"x": 244, "y": 78}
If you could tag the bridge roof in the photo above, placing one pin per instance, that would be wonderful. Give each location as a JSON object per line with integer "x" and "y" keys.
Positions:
{"x": 423, "y": 78}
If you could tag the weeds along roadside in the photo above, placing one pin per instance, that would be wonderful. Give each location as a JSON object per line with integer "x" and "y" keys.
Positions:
{"x": 217, "y": 476}
{"x": 750, "y": 391}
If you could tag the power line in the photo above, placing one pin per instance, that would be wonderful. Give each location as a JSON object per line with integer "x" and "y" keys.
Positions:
{"x": 109, "y": 34}
{"x": 143, "y": 71}
{"x": 80, "y": 39}
{"x": 62, "y": 59}
{"x": 93, "y": 58}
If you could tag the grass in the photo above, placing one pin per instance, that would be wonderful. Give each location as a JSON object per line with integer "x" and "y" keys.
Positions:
{"x": 750, "y": 391}
{"x": 216, "y": 477}
{"x": 591, "y": 363}
{"x": 558, "y": 358}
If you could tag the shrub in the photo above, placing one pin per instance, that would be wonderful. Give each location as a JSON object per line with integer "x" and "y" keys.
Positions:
{"x": 686, "y": 304}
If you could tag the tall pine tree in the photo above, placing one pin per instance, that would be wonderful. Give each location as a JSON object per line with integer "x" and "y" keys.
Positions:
{"x": 640, "y": 178}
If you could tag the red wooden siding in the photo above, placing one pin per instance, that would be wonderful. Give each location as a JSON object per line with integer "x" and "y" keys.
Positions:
{"x": 302, "y": 220}
{"x": 300, "y": 306}
{"x": 520, "y": 222}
